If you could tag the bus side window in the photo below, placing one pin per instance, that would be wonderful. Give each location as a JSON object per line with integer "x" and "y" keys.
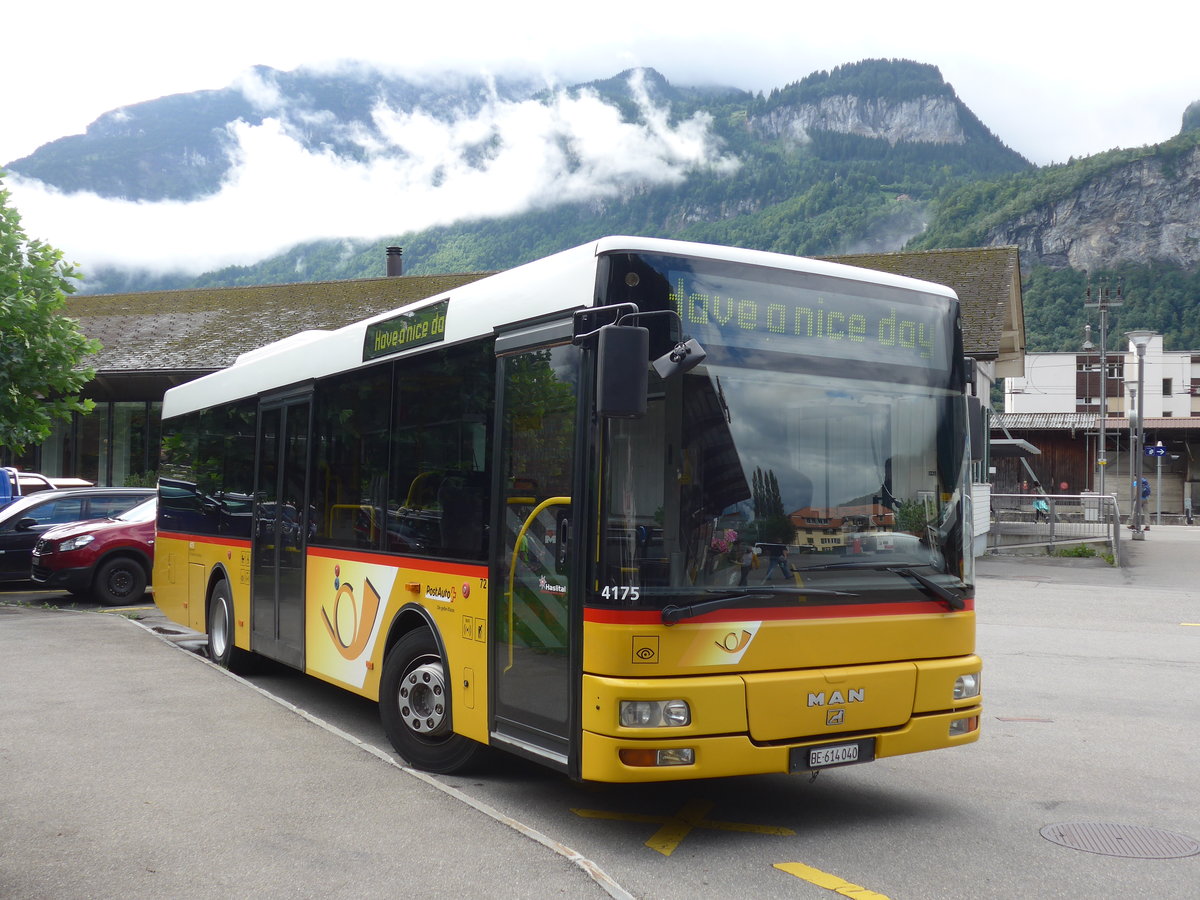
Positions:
{"x": 440, "y": 452}
{"x": 462, "y": 498}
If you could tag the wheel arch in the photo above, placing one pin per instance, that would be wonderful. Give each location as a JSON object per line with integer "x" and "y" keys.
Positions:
{"x": 411, "y": 617}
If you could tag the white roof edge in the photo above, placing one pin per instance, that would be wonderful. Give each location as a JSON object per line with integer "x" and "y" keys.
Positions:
{"x": 627, "y": 243}
{"x": 287, "y": 343}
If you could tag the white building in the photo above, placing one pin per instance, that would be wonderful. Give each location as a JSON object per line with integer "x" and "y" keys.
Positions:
{"x": 1055, "y": 406}
{"x": 1069, "y": 382}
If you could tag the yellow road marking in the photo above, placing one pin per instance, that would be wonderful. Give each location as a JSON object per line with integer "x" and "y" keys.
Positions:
{"x": 675, "y": 828}
{"x": 829, "y": 882}
{"x": 1191, "y": 624}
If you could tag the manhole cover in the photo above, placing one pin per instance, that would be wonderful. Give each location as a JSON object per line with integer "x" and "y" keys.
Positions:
{"x": 1132, "y": 841}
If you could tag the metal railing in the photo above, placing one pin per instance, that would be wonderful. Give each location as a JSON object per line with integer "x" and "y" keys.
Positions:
{"x": 1069, "y": 520}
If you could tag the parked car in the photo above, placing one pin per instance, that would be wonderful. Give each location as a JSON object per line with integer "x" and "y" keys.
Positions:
{"x": 14, "y": 484}
{"x": 24, "y": 520}
{"x": 109, "y": 558}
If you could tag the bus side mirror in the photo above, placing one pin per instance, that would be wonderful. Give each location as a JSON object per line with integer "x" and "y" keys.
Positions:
{"x": 971, "y": 372}
{"x": 975, "y": 422}
{"x": 622, "y": 371}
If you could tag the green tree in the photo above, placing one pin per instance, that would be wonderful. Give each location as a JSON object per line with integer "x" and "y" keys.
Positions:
{"x": 40, "y": 349}
{"x": 773, "y": 524}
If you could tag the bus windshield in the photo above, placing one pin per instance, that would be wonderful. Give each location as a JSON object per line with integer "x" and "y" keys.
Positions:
{"x": 767, "y": 475}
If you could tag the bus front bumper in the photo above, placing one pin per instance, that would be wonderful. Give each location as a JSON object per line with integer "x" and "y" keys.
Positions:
{"x": 726, "y": 755}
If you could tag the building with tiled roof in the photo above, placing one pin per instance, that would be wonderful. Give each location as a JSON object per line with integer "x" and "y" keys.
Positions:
{"x": 157, "y": 339}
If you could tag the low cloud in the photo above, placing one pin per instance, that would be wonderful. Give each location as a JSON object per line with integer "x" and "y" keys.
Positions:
{"x": 417, "y": 172}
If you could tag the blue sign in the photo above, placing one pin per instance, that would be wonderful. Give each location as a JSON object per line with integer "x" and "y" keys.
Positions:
{"x": 1155, "y": 451}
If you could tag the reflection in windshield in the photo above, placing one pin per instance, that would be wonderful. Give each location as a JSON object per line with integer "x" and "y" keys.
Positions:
{"x": 767, "y": 475}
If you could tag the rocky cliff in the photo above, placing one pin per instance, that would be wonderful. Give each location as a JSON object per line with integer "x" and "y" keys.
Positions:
{"x": 1143, "y": 211}
{"x": 933, "y": 120}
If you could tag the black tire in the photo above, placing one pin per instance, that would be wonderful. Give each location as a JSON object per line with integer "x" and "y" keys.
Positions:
{"x": 119, "y": 581}
{"x": 414, "y": 707}
{"x": 219, "y": 623}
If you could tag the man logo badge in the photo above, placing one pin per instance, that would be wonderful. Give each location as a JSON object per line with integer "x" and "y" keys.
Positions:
{"x": 835, "y": 717}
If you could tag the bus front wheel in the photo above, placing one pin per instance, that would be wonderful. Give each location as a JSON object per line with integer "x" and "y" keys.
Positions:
{"x": 414, "y": 707}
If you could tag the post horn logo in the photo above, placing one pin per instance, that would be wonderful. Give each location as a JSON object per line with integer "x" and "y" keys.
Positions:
{"x": 350, "y": 627}
{"x": 733, "y": 642}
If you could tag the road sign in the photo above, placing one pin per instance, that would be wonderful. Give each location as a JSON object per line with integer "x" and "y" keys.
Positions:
{"x": 1155, "y": 451}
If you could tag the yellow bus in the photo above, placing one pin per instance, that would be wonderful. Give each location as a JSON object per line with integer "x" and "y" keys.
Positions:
{"x": 641, "y": 510}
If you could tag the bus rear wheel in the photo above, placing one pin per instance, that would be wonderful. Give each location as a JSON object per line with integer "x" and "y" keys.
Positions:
{"x": 219, "y": 624}
{"x": 414, "y": 707}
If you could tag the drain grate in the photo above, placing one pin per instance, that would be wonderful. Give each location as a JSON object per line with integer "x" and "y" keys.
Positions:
{"x": 1130, "y": 841}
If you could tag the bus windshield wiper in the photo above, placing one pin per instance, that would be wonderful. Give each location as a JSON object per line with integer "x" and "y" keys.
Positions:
{"x": 931, "y": 587}
{"x": 672, "y": 613}
{"x": 939, "y": 591}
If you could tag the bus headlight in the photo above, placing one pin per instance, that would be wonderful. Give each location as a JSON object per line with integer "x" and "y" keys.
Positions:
{"x": 966, "y": 686}
{"x": 655, "y": 713}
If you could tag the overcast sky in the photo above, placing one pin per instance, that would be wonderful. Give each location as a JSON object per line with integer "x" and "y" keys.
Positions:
{"x": 1050, "y": 82}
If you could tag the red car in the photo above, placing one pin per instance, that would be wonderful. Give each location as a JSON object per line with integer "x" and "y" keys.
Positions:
{"x": 111, "y": 559}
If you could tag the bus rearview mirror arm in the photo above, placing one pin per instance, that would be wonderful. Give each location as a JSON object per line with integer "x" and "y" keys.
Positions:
{"x": 622, "y": 351}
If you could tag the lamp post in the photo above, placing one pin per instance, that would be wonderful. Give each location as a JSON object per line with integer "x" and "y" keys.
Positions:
{"x": 1139, "y": 339}
{"x": 1104, "y": 300}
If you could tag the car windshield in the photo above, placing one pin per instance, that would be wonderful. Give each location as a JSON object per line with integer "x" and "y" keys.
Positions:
{"x": 143, "y": 512}
{"x": 771, "y": 480}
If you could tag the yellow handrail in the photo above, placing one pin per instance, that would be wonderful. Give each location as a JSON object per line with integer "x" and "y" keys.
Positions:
{"x": 512, "y": 566}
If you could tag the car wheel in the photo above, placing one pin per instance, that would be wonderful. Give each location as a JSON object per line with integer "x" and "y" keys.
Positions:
{"x": 119, "y": 580}
{"x": 414, "y": 707}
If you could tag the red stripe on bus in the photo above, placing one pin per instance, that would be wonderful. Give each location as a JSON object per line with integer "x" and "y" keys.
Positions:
{"x": 400, "y": 562}
{"x": 205, "y": 539}
{"x": 774, "y": 614}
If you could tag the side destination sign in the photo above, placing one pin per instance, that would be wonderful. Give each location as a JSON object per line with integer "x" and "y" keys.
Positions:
{"x": 407, "y": 330}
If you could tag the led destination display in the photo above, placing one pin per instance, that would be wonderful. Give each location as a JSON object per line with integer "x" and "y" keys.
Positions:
{"x": 405, "y": 331}
{"x": 751, "y": 314}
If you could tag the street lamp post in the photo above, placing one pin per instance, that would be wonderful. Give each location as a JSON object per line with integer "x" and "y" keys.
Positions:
{"x": 1135, "y": 462}
{"x": 1139, "y": 339}
{"x": 1104, "y": 300}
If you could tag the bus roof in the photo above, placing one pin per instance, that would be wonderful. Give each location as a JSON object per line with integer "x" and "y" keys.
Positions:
{"x": 557, "y": 283}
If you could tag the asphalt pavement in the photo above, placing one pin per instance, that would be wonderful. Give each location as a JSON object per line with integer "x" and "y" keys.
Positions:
{"x": 134, "y": 768}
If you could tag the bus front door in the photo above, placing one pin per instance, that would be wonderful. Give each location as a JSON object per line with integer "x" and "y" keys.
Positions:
{"x": 535, "y": 615}
{"x": 280, "y": 528}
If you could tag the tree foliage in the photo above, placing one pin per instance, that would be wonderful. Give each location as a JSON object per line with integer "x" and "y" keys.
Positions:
{"x": 40, "y": 349}
{"x": 1157, "y": 297}
{"x": 773, "y": 523}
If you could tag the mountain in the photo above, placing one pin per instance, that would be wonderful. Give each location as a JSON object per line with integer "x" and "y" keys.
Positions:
{"x": 840, "y": 161}
{"x": 182, "y": 147}
{"x": 1129, "y": 217}
{"x": 872, "y": 156}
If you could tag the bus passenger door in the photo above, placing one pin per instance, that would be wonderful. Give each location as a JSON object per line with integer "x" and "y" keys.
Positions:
{"x": 535, "y": 611}
{"x": 280, "y": 528}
